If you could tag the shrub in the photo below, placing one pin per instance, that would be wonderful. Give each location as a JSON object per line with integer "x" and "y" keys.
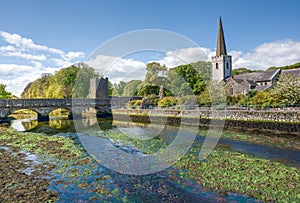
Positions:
{"x": 167, "y": 102}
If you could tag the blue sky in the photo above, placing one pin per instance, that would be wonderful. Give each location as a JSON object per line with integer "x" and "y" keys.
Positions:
{"x": 43, "y": 36}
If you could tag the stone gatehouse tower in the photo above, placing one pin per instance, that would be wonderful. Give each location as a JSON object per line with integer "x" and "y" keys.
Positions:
{"x": 221, "y": 63}
{"x": 98, "y": 88}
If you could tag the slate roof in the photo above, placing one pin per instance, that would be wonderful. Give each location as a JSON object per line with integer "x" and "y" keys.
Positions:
{"x": 261, "y": 87}
{"x": 295, "y": 72}
{"x": 258, "y": 76}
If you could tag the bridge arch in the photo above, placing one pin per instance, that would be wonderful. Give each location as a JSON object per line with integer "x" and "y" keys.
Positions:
{"x": 27, "y": 113}
{"x": 61, "y": 112}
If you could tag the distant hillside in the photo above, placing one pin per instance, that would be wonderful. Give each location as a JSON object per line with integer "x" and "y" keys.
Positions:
{"x": 62, "y": 84}
{"x": 296, "y": 65}
{"x": 240, "y": 71}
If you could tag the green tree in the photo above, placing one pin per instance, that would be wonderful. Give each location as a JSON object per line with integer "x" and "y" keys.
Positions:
{"x": 177, "y": 84}
{"x": 81, "y": 87}
{"x": 3, "y": 93}
{"x": 118, "y": 88}
{"x": 263, "y": 98}
{"x": 287, "y": 89}
{"x": 66, "y": 77}
{"x": 131, "y": 88}
{"x": 204, "y": 98}
{"x": 67, "y": 82}
{"x": 239, "y": 71}
{"x": 155, "y": 74}
{"x": 195, "y": 75}
{"x": 296, "y": 65}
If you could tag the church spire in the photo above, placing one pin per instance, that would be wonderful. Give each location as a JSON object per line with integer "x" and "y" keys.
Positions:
{"x": 221, "y": 47}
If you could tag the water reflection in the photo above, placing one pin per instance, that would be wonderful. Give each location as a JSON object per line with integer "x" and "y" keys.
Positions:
{"x": 231, "y": 140}
{"x": 24, "y": 124}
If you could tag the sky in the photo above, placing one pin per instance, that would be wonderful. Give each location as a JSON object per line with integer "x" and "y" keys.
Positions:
{"x": 39, "y": 37}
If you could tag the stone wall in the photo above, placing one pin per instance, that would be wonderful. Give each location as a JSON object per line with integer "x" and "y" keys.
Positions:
{"x": 279, "y": 121}
{"x": 280, "y": 116}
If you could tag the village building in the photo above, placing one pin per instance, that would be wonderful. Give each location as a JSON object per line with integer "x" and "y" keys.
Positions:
{"x": 243, "y": 83}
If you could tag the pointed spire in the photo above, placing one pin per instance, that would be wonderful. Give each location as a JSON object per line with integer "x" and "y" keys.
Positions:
{"x": 221, "y": 47}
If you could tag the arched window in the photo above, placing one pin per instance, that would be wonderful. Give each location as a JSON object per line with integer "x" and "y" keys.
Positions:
{"x": 217, "y": 66}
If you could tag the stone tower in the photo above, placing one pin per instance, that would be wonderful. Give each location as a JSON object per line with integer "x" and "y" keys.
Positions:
{"x": 221, "y": 63}
{"x": 98, "y": 88}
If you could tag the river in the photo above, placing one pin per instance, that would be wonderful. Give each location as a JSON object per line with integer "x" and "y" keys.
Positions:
{"x": 163, "y": 186}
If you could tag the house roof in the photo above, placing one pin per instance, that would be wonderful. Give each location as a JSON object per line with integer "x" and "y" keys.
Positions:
{"x": 258, "y": 76}
{"x": 295, "y": 72}
{"x": 261, "y": 87}
{"x": 239, "y": 81}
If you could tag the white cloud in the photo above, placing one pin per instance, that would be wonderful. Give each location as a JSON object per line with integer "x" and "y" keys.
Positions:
{"x": 16, "y": 77}
{"x": 35, "y": 60}
{"x": 20, "y": 46}
{"x": 61, "y": 63}
{"x": 7, "y": 48}
{"x": 36, "y": 64}
{"x": 23, "y": 42}
{"x": 40, "y": 57}
{"x": 117, "y": 69}
{"x": 279, "y": 53}
{"x": 73, "y": 55}
{"x": 187, "y": 55}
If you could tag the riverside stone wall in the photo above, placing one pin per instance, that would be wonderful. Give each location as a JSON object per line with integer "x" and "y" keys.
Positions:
{"x": 279, "y": 121}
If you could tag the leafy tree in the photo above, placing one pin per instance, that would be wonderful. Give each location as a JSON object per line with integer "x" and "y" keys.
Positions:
{"x": 239, "y": 71}
{"x": 263, "y": 98}
{"x": 190, "y": 78}
{"x": 110, "y": 88}
{"x": 287, "y": 89}
{"x": 204, "y": 98}
{"x": 66, "y": 77}
{"x": 152, "y": 89}
{"x": 155, "y": 74}
{"x": 81, "y": 87}
{"x": 296, "y": 65}
{"x": 177, "y": 85}
{"x": 148, "y": 89}
{"x": 131, "y": 88}
{"x": 237, "y": 99}
{"x": 118, "y": 88}
{"x": 62, "y": 84}
{"x": 3, "y": 93}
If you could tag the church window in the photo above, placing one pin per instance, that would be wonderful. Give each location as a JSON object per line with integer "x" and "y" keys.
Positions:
{"x": 231, "y": 91}
{"x": 217, "y": 66}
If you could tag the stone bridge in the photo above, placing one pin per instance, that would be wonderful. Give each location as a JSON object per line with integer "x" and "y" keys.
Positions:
{"x": 43, "y": 107}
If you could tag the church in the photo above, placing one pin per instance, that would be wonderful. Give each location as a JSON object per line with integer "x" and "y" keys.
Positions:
{"x": 241, "y": 84}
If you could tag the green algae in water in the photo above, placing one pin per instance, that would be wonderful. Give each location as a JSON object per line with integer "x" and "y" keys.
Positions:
{"x": 226, "y": 171}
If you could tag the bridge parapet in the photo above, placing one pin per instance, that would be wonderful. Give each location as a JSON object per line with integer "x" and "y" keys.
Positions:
{"x": 19, "y": 103}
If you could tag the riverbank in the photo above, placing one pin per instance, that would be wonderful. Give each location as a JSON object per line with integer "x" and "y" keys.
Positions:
{"x": 194, "y": 118}
{"x": 24, "y": 175}
{"x": 228, "y": 173}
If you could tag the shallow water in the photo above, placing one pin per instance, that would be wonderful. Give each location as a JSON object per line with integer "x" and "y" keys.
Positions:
{"x": 156, "y": 187}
